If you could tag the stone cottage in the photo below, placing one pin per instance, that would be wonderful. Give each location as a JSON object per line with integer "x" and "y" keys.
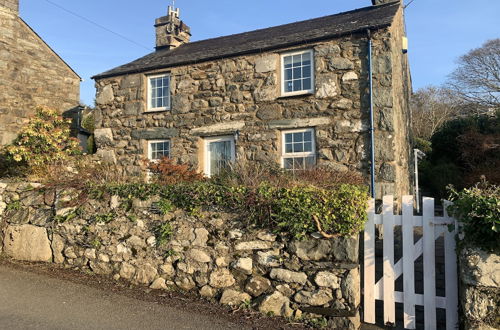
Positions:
{"x": 31, "y": 74}
{"x": 296, "y": 94}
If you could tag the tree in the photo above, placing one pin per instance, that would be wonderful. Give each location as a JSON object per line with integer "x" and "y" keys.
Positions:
{"x": 46, "y": 138}
{"x": 477, "y": 78}
{"x": 432, "y": 107}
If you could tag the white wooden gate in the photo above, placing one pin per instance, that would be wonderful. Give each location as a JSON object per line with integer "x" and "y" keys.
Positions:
{"x": 432, "y": 227}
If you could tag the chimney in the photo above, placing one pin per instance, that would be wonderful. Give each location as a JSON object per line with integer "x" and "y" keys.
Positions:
{"x": 10, "y": 5}
{"x": 171, "y": 32}
{"x": 381, "y": 2}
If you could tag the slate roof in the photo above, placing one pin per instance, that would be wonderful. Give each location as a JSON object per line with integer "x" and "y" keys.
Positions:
{"x": 282, "y": 36}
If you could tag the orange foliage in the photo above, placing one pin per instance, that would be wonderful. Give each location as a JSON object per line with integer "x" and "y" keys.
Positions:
{"x": 166, "y": 171}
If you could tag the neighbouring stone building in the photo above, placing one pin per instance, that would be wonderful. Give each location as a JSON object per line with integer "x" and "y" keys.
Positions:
{"x": 296, "y": 94}
{"x": 31, "y": 74}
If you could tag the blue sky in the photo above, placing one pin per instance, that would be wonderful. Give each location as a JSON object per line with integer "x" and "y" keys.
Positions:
{"x": 439, "y": 31}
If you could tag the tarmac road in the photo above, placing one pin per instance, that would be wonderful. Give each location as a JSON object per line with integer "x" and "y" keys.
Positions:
{"x": 36, "y": 301}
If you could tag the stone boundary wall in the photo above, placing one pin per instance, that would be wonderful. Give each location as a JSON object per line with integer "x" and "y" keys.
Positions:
{"x": 479, "y": 289}
{"x": 211, "y": 254}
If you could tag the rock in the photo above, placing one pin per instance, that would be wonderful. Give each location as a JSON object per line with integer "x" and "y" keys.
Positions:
{"x": 480, "y": 268}
{"x": 341, "y": 63}
{"x": 145, "y": 274}
{"x": 285, "y": 290}
{"x": 349, "y": 76}
{"x": 159, "y": 284}
{"x": 269, "y": 258}
{"x": 201, "y": 237}
{"x": 185, "y": 283}
{"x": 105, "y": 95}
{"x": 101, "y": 268}
{"x": 114, "y": 202}
{"x": 168, "y": 270}
{"x": 208, "y": 292}
{"x": 277, "y": 304}
{"x": 234, "y": 298}
{"x": 221, "y": 278}
{"x": 327, "y": 280}
{"x": 90, "y": 254}
{"x": 222, "y": 262}
{"x": 266, "y": 64}
{"x": 69, "y": 252}
{"x": 266, "y": 237}
{"x": 57, "y": 248}
{"x": 312, "y": 249}
{"x": 328, "y": 87}
{"x": 244, "y": 265}
{"x": 257, "y": 285}
{"x": 253, "y": 245}
{"x": 288, "y": 276}
{"x": 27, "y": 242}
{"x": 317, "y": 298}
{"x": 103, "y": 136}
{"x": 136, "y": 241}
{"x": 103, "y": 258}
{"x": 127, "y": 271}
{"x": 199, "y": 256}
{"x": 235, "y": 234}
{"x": 151, "y": 241}
{"x": 268, "y": 112}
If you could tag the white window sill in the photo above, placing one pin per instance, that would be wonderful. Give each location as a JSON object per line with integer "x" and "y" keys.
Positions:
{"x": 299, "y": 93}
{"x": 157, "y": 110}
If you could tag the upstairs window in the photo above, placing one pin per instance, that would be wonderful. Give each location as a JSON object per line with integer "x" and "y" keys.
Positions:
{"x": 299, "y": 150}
{"x": 297, "y": 73}
{"x": 159, "y": 92}
{"x": 157, "y": 149}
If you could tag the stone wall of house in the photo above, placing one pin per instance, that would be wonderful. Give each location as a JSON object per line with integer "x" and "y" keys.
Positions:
{"x": 479, "y": 273}
{"x": 212, "y": 254}
{"x": 241, "y": 96}
{"x": 31, "y": 74}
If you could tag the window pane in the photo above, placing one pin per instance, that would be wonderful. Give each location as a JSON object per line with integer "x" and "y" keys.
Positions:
{"x": 287, "y": 60}
{"x": 307, "y": 136}
{"x": 288, "y": 163}
{"x": 297, "y": 60}
{"x": 306, "y": 84}
{"x": 298, "y": 137}
{"x": 310, "y": 162}
{"x": 289, "y": 86}
{"x": 288, "y": 148}
{"x": 306, "y": 57}
{"x": 298, "y": 147}
{"x": 297, "y": 73}
{"x": 298, "y": 163}
{"x": 297, "y": 85}
{"x": 306, "y": 71}
{"x": 288, "y": 137}
{"x": 288, "y": 74}
{"x": 220, "y": 156}
{"x": 308, "y": 146}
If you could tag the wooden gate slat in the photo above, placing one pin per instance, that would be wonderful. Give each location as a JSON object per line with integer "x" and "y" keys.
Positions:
{"x": 429, "y": 264}
{"x": 450, "y": 269}
{"x": 408, "y": 263}
{"x": 369, "y": 265}
{"x": 388, "y": 263}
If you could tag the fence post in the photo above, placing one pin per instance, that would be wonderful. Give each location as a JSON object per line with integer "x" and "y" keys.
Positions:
{"x": 408, "y": 263}
{"x": 388, "y": 279}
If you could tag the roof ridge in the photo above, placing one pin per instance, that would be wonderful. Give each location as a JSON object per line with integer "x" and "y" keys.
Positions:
{"x": 293, "y": 23}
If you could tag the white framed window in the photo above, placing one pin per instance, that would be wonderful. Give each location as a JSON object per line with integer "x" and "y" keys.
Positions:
{"x": 159, "y": 92}
{"x": 157, "y": 149}
{"x": 297, "y": 73}
{"x": 298, "y": 149}
{"x": 219, "y": 153}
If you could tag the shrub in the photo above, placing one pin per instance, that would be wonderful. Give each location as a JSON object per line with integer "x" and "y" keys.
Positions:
{"x": 293, "y": 210}
{"x": 167, "y": 171}
{"x": 46, "y": 138}
{"x": 478, "y": 208}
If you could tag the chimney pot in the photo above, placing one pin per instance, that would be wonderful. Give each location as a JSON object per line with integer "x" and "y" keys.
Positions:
{"x": 171, "y": 32}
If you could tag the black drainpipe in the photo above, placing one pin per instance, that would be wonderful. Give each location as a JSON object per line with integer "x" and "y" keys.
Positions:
{"x": 372, "y": 126}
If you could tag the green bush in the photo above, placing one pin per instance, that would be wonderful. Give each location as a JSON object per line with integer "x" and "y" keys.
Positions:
{"x": 340, "y": 211}
{"x": 478, "y": 208}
